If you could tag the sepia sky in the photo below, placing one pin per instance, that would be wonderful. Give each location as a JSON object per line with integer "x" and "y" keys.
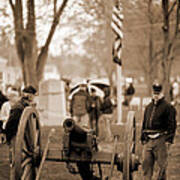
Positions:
{"x": 70, "y": 26}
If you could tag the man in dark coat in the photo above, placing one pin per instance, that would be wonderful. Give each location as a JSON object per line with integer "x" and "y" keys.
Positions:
{"x": 16, "y": 111}
{"x": 105, "y": 120}
{"x": 94, "y": 111}
{"x": 13, "y": 122}
{"x": 3, "y": 99}
{"x": 79, "y": 109}
{"x": 158, "y": 131}
{"x": 129, "y": 92}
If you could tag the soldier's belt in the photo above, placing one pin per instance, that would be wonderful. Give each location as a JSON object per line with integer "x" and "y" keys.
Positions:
{"x": 154, "y": 136}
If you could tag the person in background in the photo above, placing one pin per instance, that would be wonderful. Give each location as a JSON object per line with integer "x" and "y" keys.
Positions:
{"x": 67, "y": 92}
{"x": 12, "y": 95}
{"x": 79, "y": 109}
{"x": 157, "y": 134}
{"x": 80, "y": 106}
{"x": 106, "y": 117}
{"x": 27, "y": 99}
{"x": 3, "y": 99}
{"x": 175, "y": 86}
{"x": 129, "y": 92}
{"x": 94, "y": 111}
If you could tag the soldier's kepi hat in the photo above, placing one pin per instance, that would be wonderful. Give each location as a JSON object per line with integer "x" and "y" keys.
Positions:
{"x": 157, "y": 88}
{"x": 30, "y": 90}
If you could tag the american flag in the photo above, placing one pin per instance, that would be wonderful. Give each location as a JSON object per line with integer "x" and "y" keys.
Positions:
{"x": 116, "y": 25}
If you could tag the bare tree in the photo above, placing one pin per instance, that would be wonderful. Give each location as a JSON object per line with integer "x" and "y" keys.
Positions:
{"x": 32, "y": 61}
{"x": 169, "y": 41}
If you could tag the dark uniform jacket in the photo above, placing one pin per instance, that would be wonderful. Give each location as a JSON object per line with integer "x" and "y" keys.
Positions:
{"x": 107, "y": 106}
{"x": 95, "y": 111}
{"x": 130, "y": 90}
{"x": 3, "y": 99}
{"x": 159, "y": 117}
{"x": 80, "y": 103}
{"x": 14, "y": 117}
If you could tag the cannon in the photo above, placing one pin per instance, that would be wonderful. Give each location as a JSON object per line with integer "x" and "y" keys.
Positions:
{"x": 78, "y": 145}
{"x": 78, "y": 141}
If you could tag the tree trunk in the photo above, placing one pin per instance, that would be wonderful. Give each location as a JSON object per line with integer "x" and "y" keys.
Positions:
{"x": 165, "y": 59}
{"x": 25, "y": 37}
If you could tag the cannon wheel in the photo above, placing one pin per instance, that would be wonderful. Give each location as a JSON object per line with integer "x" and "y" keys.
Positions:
{"x": 27, "y": 146}
{"x": 129, "y": 144}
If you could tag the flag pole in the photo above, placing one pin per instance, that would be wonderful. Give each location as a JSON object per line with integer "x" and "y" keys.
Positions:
{"x": 119, "y": 94}
{"x": 116, "y": 24}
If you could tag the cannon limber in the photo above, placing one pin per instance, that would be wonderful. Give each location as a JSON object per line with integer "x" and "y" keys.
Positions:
{"x": 78, "y": 145}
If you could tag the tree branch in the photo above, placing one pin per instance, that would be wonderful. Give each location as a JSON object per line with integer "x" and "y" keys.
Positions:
{"x": 55, "y": 7}
{"x": 174, "y": 39}
{"x": 19, "y": 27}
{"x": 43, "y": 54}
{"x": 172, "y": 8}
{"x": 177, "y": 18}
{"x": 157, "y": 54}
{"x": 165, "y": 5}
{"x": 12, "y": 6}
{"x": 31, "y": 17}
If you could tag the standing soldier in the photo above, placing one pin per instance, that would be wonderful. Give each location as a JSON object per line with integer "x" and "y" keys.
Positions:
{"x": 80, "y": 105}
{"x": 94, "y": 112}
{"x": 13, "y": 96}
{"x": 157, "y": 134}
{"x": 79, "y": 109}
{"x": 3, "y": 99}
{"x": 107, "y": 108}
{"x": 129, "y": 92}
{"x": 13, "y": 121}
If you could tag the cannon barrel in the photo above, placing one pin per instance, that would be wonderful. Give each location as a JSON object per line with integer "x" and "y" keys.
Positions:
{"x": 77, "y": 134}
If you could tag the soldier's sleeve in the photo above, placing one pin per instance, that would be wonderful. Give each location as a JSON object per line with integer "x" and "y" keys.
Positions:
{"x": 143, "y": 137}
{"x": 71, "y": 105}
{"x": 12, "y": 123}
{"x": 88, "y": 103}
{"x": 171, "y": 124}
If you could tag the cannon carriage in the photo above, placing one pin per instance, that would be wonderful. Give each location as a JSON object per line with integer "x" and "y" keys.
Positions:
{"x": 78, "y": 145}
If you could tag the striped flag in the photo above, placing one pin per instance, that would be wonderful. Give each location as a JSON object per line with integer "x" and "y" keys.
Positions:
{"x": 116, "y": 25}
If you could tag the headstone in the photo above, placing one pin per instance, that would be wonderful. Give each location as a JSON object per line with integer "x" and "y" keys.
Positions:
{"x": 135, "y": 103}
{"x": 52, "y": 103}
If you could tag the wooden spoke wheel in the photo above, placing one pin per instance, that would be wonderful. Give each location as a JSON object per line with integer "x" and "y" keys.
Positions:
{"x": 27, "y": 146}
{"x": 129, "y": 145}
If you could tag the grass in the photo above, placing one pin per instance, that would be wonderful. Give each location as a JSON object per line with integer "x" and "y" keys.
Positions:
{"x": 58, "y": 171}
{"x": 54, "y": 170}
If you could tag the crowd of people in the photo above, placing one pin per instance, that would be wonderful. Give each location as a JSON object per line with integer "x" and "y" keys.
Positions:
{"x": 158, "y": 125}
{"x": 91, "y": 112}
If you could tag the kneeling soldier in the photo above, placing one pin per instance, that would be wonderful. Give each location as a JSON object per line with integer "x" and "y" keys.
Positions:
{"x": 158, "y": 132}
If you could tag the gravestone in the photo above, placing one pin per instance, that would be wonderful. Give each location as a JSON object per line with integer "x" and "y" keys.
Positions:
{"x": 52, "y": 103}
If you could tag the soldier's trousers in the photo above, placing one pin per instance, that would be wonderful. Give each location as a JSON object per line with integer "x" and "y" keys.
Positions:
{"x": 85, "y": 171}
{"x": 82, "y": 121}
{"x": 155, "y": 151}
{"x": 11, "y": 158}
